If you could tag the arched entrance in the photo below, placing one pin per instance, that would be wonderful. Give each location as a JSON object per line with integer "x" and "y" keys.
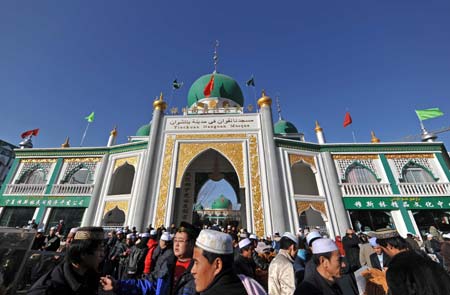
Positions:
{"x": 208, "y": 174}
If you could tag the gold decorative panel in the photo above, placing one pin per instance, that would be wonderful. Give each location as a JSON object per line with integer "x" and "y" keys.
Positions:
{"x": 122, "y": 205}
{"x": 410, "y": 156}
{"x": 302, "y": 206}
{"x": 293, "y": 159}
{"x": 355, "y": 157}
{"x": 38, "y": 160}
{"x": 130, "y": 160}
{"x": 258, "y": 214}
{"x": 82, "y": 160}
{"x": 165, "y": 179}
{"x": 231, "y": 150}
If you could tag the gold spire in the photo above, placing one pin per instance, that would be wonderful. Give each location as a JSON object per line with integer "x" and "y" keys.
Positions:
{"x": 114, "y": 131}
{"x": 374, "y": 138}
{"x": 160, "y": 104}
{"x": 66, "y": 143}
{"x": 318, "y": 128}
{"x": 264, "y": 100}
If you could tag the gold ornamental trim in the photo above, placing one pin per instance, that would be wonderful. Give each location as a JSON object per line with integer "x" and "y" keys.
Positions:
{"x": 38, "y": 160}
{"x": 293, "y": 159}
{"x": 130, "y": 160}
{"x": 302, "y": 206}
{"x": 409, "y": 156}
{"x": 122, "y": 205}
{"x": 232, "y": 151}
{"x": 82, "y": 160}
{"x": 164, "y": 186}
{"x": 355, "y": 157}
{"x": 258, "y": 214}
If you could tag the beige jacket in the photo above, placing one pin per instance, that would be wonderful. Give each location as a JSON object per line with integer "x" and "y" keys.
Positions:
{"x": 281, "y": 274}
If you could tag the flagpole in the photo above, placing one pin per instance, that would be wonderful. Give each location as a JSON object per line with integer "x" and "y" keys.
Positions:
{"x": 256, "y": 101}
{"x": 354, "y": 137}
{"x": 84, "y": 134}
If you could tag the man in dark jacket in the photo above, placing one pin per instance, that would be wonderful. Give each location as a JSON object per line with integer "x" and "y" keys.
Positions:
{"x": 52, "y": 241}
{"x": 351, "y": 247}
{"x": 379, "y": 259}
{"x": 326, "y": 257}
{"x": 245, "y": 264}
{"x": 213, "y": 265}
{"x": 78, "y": 274}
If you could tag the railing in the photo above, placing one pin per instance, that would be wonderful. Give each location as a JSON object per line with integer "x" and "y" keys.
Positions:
{"x": 72, "y": 189}
{"x": 366, "y": 189}
{"x": 425, "y": 189}
{"x": 25, "y": 189}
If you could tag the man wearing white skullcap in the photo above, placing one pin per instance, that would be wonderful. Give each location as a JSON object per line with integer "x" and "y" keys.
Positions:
{"x": 326, "y": 257}
{"x": 244, "y": 263}
{"x": 213, "y": 265}
{"x": 378, "y": 259}
{"x": 281, "y": 269}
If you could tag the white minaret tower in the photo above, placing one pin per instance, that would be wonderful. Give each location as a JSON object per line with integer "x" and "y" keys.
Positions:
{"x": 319, "y": 134}
{"x": 112, "y": 137}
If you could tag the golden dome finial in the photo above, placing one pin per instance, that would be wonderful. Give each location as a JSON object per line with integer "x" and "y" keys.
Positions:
{"x": 264, "y": 100}
{"x": 374, "y": 138}
{"x": 160, "y": 104}
{"x": 318, "y": 128}
{"x": 66, "y": 143}
{"x": 114, "y": 131}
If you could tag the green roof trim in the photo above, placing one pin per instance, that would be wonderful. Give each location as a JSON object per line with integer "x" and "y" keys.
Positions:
{"x": 224, "y": 86}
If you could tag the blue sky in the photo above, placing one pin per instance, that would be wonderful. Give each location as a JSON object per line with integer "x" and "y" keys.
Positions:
{"x": 60, "y": 60}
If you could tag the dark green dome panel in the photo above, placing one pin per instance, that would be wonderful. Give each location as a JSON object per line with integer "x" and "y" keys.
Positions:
{"x": 284, "y": 127}
{"x": 144, "y": 130}
{"x": 224, "y": 86}
{"x": 221, "y": 203}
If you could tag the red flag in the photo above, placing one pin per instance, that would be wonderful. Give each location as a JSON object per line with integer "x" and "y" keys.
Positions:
{"x": 34, "y": 132}
{"x": 209, "y": 87}
{"x": 347, "y": 119}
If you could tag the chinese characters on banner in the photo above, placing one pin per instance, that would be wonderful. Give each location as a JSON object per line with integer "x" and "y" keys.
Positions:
{"x": 395, "y": 203}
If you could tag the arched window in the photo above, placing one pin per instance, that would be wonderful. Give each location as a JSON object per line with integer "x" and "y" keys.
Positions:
{"x": 414, "y": 173}
{"x": 36, "y": 176}
{"x": 359, "y": 174}
{"x": 81, "y": 176}
{"x": 304, "y": 179}
{"x": 114, "y": 217}
{"x": 122, "y": 180}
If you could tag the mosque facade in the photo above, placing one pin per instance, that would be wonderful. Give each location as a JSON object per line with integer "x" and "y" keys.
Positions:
{"x": 281, "y": 182}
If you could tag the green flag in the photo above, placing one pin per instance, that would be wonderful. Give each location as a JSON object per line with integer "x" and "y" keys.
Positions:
{"x": 90, "y": 118}
{"x": 429, "y": 113}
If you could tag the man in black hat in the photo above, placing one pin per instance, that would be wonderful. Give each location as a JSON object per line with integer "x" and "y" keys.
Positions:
{"x": 79, "y": 273}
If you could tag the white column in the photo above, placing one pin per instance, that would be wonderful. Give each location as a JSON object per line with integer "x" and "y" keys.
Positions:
{"x": 319, "y": 134}
{"x": 112, "y": 137}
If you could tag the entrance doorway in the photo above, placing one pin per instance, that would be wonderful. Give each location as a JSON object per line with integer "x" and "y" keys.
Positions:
{"x": 209, "y": 192}
{"x": 368, "y": 220}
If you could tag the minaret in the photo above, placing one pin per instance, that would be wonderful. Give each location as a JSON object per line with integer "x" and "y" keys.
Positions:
{"x": 276, "y": 201}
{"x": 66, "y": 143}
{"x": 112, "y": 137}
{"x": 319, "y": 134}
{"x": 144, "y": 199}
{"x": 374, "y": 139}
{"x": 26, "y": 143}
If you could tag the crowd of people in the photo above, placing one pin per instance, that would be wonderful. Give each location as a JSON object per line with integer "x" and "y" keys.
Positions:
{"x": 217, "y": 260}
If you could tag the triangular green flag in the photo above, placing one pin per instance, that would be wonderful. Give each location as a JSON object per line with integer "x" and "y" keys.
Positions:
{"x": 429, "y": 113}
{"x": 250, "y": 82}
{"x": 90, "y": 118}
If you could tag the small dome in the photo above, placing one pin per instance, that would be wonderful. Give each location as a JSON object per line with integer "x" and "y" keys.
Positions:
{"x": 198, "y": 207}
{"x": 144, "y": 130}
{"x": 221, "y": 203}
{"x": 224, "y": 87}
{"x": 284, "y": 127}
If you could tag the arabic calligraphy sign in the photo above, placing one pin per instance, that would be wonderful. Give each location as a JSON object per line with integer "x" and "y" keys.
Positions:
{"x": 212, "y": 123}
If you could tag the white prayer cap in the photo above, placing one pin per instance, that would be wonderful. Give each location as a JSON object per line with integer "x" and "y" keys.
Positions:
{"x": 214, "y": 242}
{"x": 253, "y": 237}
{"x": 119, "y": 232}
{"x": 373, "y": 242}
{"x": 130, "y": 236}
{"x": 228, "y": 226}
{"x": 429, "y": 235}
{"x": 244, "y": 236}
{"x": 166, "y": 236}
{"x": 244, "y": 243}
{"x": 446, "y": 236}
{"x": 323, "y": 246}
{"x": 291, "y": 237}
{"x": 73, "y": 230}
{"x": 153, "y": 232}
{"x": 40, "y": 230}
{"x": 145, "y": 235}
{"x": 312, "y": 235}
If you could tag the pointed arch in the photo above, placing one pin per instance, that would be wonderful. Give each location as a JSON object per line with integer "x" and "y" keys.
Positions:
{"x": 414, "y": 172}
{"x": 71, "y": 177}
{"x": 36, "y": 174}
{"x": 304, "y": 179}
{"x": 357, "y": 172}
{"x": 122, "y": 180}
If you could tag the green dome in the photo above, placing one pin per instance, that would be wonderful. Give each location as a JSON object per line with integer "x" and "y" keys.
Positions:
{"x": 224, "y": 86}
{"x": 144, "y": 130}
{"x": 284, "y": 127}
{"x": 198, "y": 207}
{"x": 221, "y": 203}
